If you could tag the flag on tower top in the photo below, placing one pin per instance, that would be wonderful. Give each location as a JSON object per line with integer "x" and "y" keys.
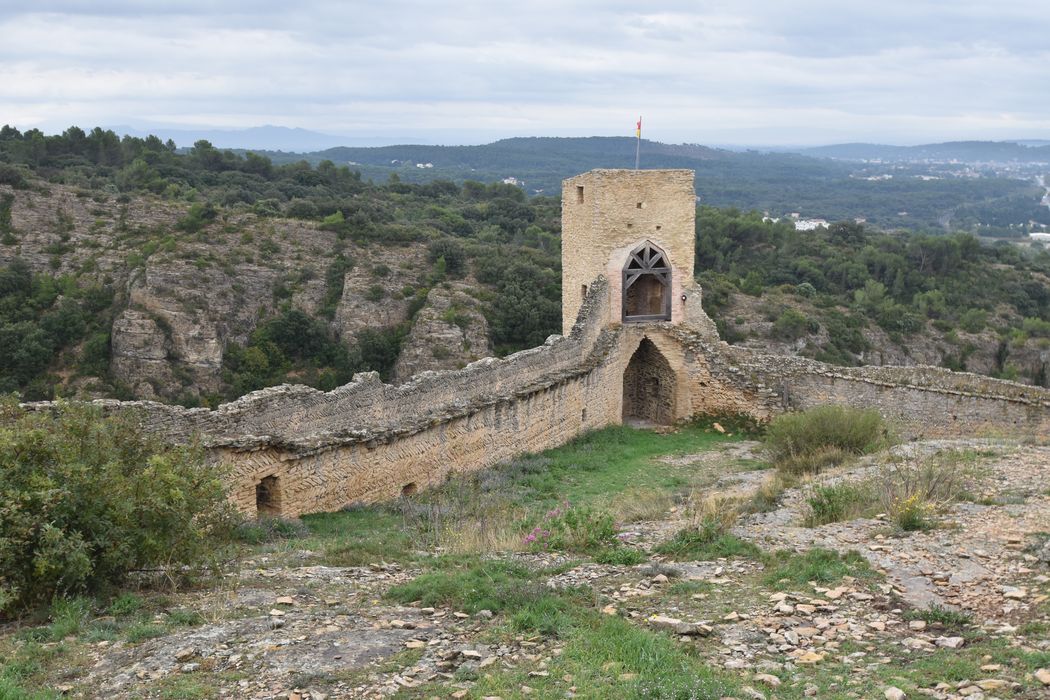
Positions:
{"x": 638, "y": 128}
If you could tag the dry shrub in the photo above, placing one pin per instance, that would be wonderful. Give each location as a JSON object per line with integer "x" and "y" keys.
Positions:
{"x": 465, "y": 520}
{"x": 811, "y": 440}
{"x": 499, "y": 532}
{"x": 767, "y": 497}
{"x": 912, "y": 493}
{"x": 639, "y": 504}
{"x": 713, "y": 514}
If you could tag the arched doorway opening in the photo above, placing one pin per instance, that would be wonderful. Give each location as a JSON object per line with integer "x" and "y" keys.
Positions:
{"x": 648, "y": 387}
{"x": 647, "y": 285}
{"x": 268, "y": 496}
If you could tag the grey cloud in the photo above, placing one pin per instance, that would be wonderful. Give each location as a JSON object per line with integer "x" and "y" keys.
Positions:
{"x": 866, "y": 70}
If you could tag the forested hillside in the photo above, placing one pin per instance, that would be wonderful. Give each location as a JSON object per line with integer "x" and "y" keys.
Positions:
{"x": 849, "y": 295}
{"x": 205, "y": 275}
{"x": 128, "y": 269}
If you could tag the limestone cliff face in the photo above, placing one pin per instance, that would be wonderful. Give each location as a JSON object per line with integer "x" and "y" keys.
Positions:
{"x": 181, "y": 298}
{"x": 449, "y": 332}
{"x": 378, "y": 290}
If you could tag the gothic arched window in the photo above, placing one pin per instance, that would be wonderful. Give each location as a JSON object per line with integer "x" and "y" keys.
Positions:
{"x": 647, "y": 285}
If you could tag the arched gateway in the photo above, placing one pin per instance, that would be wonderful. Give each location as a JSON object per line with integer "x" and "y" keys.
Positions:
{"x": 648, "y": 387}
{"x": 646, "y": 285}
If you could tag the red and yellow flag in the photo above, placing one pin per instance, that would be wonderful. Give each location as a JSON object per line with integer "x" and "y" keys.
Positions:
{"x": 638, "y": 128}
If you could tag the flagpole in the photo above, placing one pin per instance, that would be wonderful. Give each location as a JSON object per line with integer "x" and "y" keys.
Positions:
{"x": 638, "y": 144}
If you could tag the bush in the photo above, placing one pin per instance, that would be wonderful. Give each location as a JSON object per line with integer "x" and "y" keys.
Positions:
{"x": 791, "y": 325}
{"x": 814, "y": 438}
{"x": 87, "y": 500}
{"x": 454, "y": 254}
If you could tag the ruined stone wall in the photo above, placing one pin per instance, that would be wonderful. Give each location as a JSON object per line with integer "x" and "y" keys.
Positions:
{"x": 367, "y": 441}
{"x": 919, "y": 401}
{"x": 293, "y": 449}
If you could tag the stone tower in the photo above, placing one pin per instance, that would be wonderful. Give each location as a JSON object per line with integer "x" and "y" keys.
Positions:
{"x": 638, "y": 229}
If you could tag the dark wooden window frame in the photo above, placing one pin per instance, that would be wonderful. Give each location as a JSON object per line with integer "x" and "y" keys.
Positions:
{"x": 647, "y": 260}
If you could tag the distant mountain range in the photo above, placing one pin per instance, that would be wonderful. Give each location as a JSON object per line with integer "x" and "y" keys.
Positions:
{"x": 824, "y": 182}
{"x": 779, "y": 183}
{"x": 541, "y": 163}
{"x": 380, "y": 150}
{"x": 1032, "y": 151}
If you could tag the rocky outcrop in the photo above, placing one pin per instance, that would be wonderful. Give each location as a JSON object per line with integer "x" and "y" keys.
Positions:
{"x": 449, "y": 332}
{"x": 182, "y": 298}
{"x": 378, "y": 290}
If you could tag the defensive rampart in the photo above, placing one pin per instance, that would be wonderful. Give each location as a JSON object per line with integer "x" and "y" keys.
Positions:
{"x": 292, "y": 449}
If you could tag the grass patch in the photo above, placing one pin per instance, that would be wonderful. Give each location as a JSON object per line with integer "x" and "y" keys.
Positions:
{"x": 266, "y": 529}
{"x": 141, "y": 631}
{"x": 937, "y": 615}
{"x": 708, "y": 536}
{"x": 838, "y": 502}
{"x": 607, "y": 657}
{"x": 489, "y": 585}
{"x": 11, "y": 689}
{"x": 641, "y": 504}
{"x": 620, "y": 556}
{"x": 358, "y": 536}
{"x": 176, "y": 687}
{"x": 819, "y": 565}
{"x": 594, "y": 468}
{"x": 498, "y": 586}
{"x": 687, "y": 588}
{"x": 693, "y": 545}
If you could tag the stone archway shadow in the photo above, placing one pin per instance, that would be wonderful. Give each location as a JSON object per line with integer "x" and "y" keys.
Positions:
{"x": 648, "y": 387}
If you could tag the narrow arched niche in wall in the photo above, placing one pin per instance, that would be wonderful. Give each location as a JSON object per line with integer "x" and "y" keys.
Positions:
{"x": 647, "y": 285}
{"x": 648, "y": 387}
{"x": 268, "y": 496}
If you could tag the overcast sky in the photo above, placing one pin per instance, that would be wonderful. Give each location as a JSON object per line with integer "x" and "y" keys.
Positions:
{"x": 762, "y": 72}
